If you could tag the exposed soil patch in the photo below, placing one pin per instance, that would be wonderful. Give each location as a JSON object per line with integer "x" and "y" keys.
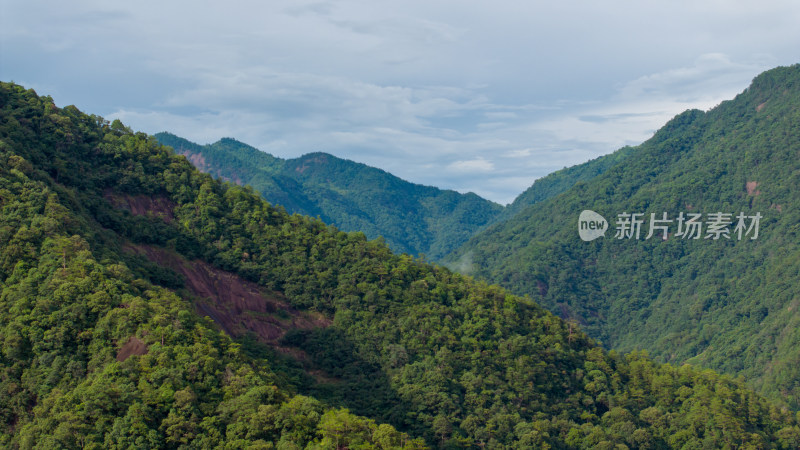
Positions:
{"x": 761, "y": 106}
{"x": 199, "y": 161}
{"x": 238, "y": 306}
{"x": 134, "y": 346}
{"x": 751, "y": 188}
{"x": 142, "y": 205}
{"x": 308, "y": 163}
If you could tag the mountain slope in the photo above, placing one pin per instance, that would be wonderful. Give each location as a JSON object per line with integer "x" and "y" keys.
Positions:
{"x": 411, "y": 218}
{"x": 727, "y": 304}
{"x": 560, "y": 181}
{"x": 112, "y": 251}
{"x": 93, "y": 354}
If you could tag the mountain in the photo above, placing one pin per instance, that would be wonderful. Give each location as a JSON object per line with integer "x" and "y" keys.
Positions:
{"x": 411, "y": 218}
{"x": 560, "y": 181}
{"x": 144, "y": 304}
{"x": 728, "y": 303}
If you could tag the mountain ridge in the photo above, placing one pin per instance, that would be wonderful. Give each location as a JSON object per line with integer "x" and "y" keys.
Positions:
{"x": 721, "y": 304}
{"x": 438, "y": 355}
{"x": 429, "y": 220}
{"x": 412, "y": 218}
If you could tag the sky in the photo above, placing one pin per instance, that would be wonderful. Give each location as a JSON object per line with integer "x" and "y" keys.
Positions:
{"x": 473, "y": 96}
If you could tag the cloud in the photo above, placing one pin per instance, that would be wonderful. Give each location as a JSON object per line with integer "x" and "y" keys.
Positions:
{"x": 435, "y": 135}
{"x": 471, "y": 166}
{"x": 468, "y": 96}
{"x": 711, "y": 75}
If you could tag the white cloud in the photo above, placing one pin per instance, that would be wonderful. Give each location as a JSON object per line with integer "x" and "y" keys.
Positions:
{"x": 471, "y": 166}
{"x": 519, "y": 153}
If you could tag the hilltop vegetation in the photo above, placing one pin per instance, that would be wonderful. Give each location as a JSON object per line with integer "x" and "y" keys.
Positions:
{"x": 105, "y": 348}
{"x": 411, "y": 218}
{"x": 727, "y": 304}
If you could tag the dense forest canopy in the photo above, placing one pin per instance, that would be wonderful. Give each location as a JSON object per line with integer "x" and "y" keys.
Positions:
{"x": 728, "y": 304}
{"x": 103, "y": 345}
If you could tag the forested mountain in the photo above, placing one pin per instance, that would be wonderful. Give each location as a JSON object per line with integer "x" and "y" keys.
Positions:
{"x": 729, "y": 303}
{"x": 144, "y": 304}
{"x": 412, "y": 218}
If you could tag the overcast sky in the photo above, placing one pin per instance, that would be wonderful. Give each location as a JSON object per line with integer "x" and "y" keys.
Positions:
{"x": 473, "y": 96}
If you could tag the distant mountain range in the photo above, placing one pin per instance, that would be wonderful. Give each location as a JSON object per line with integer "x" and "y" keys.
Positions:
{"x": 723, "y": 304}
{"x": 144, "y": 304}
{"x": 411, "y": 218}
